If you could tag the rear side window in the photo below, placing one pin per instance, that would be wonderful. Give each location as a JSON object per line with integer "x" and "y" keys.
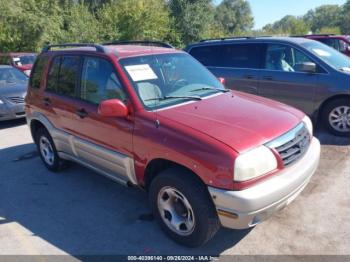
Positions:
{"x": 37, "y": 72}
{"x": 68, "y": 76}
{"x": 63, "y": 75}
{"x": 242, "y": 56}
{"x": 207, "y": 55}
{"x": 230, "y": 55}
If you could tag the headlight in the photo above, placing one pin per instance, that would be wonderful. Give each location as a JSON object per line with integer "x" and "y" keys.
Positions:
{"x": 1, "y": 102}
{"x": 27, "y": 72}
{"x": 308, "y": 123}
{"x": 254, "y": 163}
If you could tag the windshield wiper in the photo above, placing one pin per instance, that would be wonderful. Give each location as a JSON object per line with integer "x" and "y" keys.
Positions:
{"x": 174, "y": 97}
{"x": 210, "y": 88}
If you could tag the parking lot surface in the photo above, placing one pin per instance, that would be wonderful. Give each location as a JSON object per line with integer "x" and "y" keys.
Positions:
{"x": 78, "y": 212}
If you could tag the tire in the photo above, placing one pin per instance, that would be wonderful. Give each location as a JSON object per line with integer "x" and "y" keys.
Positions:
{"x": 178, "y": 188}
{"x": 336, "y": 116}
{"x": 44, "y": 144}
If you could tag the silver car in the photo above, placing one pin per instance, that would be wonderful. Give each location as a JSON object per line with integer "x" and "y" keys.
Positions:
{"x": 13, "y": 88}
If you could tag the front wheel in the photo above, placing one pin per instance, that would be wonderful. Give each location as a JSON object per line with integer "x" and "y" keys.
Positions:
{"x": 336, "y": 116}
{"x": 183, "y": 207}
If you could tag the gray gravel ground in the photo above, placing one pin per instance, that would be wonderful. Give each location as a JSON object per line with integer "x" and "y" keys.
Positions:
{"x": 78, "y": 212}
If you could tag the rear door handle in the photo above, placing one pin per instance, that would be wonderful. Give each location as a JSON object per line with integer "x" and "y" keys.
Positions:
{"x": 249, "y": 77}
{"x": 81, "y": 113}
{"x": 270, "y": 78}
{"x": 47, "y": 101}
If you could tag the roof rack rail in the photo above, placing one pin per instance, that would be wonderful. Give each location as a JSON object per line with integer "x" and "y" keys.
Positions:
{"x": 313, "y": 35}
{"x": 146, "y": 42}
{"x": 99, "y": 48}
{"x": 232, "y": 38}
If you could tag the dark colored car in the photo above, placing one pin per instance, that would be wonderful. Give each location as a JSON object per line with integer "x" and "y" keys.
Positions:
{"x": 338, "y": 42}
{"x": 303, "y": 73}
{"x": 13, "y": 88}
{"x": 155, "y": 118}
{"x": 22, "y": 61}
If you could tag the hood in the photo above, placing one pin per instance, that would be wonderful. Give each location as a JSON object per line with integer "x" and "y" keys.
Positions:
{"x": 239, "y": 120}
{"x": 13, "y": 89}
{"x": 24, "y": 67}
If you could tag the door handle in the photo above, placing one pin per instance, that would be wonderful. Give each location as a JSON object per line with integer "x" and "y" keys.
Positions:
{"x": 249, "y": 77}
{"x": 47, "y": 101}
{"x": 81, "y": 113}
{"x": 270, "y": 78}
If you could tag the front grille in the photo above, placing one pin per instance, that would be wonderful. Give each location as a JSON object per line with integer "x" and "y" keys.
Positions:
{"x": 16, "y": 99}
{"x": 292, "y": 145}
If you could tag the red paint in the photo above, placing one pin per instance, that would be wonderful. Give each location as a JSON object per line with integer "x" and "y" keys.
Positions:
{"x": 344, "y": 38}
{"x": 113, "y": 108}
{"x": 204, "y": 136}
{"x": 13, "y": 55}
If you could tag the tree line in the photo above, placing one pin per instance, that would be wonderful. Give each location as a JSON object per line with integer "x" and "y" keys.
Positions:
{"x": 28, "y": 25}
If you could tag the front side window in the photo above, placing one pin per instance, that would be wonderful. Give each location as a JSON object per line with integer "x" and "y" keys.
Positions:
{"x": 169, "y": 79}
{"x": 343, "y": 46}
{"x": 99, "y": 81}
{"x": 284, "y": 58}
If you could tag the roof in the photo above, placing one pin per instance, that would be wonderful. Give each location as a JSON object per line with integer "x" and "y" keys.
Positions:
{"x": 17, "y": 53}
{"x": 122, "y": 51}
{"x": 5, "y": 66}
{"x": 296, "y": 40}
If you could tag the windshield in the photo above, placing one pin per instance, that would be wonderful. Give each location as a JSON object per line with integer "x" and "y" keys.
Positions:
{"x": 24, "y": 60}
{"x": 329, "y": 55}
{"x": 11, "y": 75}
{"x": 169, "y": 79}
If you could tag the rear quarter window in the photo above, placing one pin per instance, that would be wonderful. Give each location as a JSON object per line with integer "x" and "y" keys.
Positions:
{"x": 37, "y": 72}
{"x": 207, "y": 55}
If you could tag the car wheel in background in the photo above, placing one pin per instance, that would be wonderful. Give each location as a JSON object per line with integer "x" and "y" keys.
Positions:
{"x": 336, "y": 116}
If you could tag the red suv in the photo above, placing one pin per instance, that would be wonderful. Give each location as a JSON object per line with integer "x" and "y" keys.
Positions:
{"x": 22, "y": 61}
{"x": 155, "y": 118}
{"x": 339, "y": 42}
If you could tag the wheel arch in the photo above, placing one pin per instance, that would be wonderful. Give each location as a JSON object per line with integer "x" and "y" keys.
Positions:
{"x": 327, "y": 101}
{"x": 156, "y": 166}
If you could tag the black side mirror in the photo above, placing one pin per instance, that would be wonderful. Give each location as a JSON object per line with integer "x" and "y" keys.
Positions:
{"x": 307, "y": 67}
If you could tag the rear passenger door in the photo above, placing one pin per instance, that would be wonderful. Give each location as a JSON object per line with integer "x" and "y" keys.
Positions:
{"x": 238, "y": 63}
{"x": 281, "y": 79}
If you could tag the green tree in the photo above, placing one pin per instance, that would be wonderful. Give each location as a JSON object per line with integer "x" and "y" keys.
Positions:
{"x": 193, "y": 19}
{"x": 80, "y": 25}
{"x": 322, "y": 17}
{"x": 235, "y": 16}
{"x": 344, "y": 22}
{"x": 134, "y": 20}
{"x": 28, "y": 24}
{"x": 288, "y": 25}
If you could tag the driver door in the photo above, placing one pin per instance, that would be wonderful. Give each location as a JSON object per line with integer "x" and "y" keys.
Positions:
{"x": 282, "y": 81}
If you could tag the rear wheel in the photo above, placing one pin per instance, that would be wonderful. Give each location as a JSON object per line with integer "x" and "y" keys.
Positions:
{"x": 183, "y": 207}
{"x": 336, "y": 116}
{"x": 47, "y": 150}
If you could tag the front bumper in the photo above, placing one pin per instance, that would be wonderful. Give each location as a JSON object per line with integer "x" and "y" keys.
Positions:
{"x": 247, "y": 208}
{"x": 11, "y": 111}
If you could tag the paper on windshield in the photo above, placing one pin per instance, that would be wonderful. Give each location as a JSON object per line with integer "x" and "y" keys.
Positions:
{"x": 321, "y": 52}
{"x": 141, "y": 72}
